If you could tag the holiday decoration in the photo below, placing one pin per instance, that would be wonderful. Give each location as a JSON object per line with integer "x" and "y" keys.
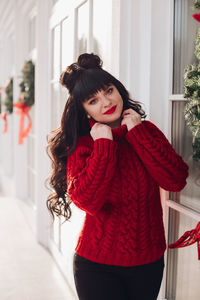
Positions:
{"x": 26, "y": 99}
{"x": 192, "y": 117}
{"x": 3, "y": 115}
{"x": 23, "y": 111}
{"x": 196, "y": 4}
{"x": 192, "y": 107}
{"x": 4, "y": 118}
{"x": 188, "y": 238}
{"x": 197, "y": 45}
{"x": 8, "y": 102}
{"x": 9, "y": 96}
{"x": 27, "y": 83}
{"x": 192, "y": 93}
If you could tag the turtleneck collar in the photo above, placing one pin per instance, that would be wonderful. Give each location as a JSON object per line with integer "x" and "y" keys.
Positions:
{"x": 117, "y": 132}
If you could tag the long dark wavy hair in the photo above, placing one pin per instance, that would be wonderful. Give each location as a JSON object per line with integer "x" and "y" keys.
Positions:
{"x": 83, "y": 79}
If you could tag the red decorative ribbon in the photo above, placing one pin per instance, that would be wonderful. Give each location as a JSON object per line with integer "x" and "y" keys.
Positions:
{"x": 196, "y": 17}
{"x": 23, "y": 110}
{"x": 188, "y": 238}
{"x": 4, "y": 117}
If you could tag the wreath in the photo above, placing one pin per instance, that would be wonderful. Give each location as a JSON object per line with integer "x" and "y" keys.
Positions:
{"x": 26, "y": 99}
{"x": 8, "y": 102}
{"x": 196, "y": 4}
{"x": 27, "y": 83}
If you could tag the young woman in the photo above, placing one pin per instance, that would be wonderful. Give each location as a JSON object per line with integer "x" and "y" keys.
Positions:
{"x": 110, "y": 163}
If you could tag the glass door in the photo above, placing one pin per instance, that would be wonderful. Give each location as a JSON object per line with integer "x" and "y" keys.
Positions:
{"x": 182, "y": 270}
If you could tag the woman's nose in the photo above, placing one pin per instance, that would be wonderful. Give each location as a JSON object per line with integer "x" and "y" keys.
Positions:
{"x": 106, "y": 101}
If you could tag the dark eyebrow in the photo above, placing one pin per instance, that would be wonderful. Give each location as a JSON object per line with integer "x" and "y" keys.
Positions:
{"x": 91, "y": 98}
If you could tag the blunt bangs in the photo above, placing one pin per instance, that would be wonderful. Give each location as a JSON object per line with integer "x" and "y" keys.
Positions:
{"x": 90, "y": 82}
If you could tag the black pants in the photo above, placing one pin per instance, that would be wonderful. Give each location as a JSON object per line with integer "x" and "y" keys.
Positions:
{"x": 96, "y": 281}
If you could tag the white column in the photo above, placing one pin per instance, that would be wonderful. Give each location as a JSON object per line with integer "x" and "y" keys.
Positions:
{"x": 42, "y": 111}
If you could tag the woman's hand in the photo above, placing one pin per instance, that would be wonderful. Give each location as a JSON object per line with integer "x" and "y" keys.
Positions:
{"x": 131, "y": 118}
{"x": 100, "y": 130}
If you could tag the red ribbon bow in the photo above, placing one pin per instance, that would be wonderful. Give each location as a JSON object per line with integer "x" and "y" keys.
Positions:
{"x": 196, "y": 17}
{"x": 4, "y": 117}
{"x": 188, "y": 238}
{"x": 23, "y": 110}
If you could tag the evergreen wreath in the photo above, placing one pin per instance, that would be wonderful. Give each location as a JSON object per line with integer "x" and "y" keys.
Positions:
{"x": 9, "y": 97}
{"x": 196, "y": 4}
{"x": 27, "y": 83}
{"x": 192, "y": 93}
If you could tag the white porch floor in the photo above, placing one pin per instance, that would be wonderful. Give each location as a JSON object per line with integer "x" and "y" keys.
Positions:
{"x": 27, "y": 270}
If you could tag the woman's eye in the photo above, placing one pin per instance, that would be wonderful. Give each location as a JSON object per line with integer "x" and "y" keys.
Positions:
{"x": 93, "y": 101}
{"x": 110, "y": 90}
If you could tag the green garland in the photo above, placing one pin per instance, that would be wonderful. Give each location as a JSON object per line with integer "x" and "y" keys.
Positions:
{"x": 192, "y": 107}
{"x": 9, "y": 97}
{"x": 196, "y": 4}
{"x": 197, "y": 45}
{"x": 27, "y": 83}
{"x": 192, "y": 93}
{"x": 192, "y": 82}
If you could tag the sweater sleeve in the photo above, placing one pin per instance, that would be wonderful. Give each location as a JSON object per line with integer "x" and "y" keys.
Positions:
{"x": 166, "y": 166}
{"x": 89, "y": 174}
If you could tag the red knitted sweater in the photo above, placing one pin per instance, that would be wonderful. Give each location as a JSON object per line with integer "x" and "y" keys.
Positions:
{"x": 116, "y": 182}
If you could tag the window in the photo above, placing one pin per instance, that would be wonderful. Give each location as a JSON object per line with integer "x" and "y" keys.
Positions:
{"x": 184, "y": 207}
{"x": 185, "y": 28}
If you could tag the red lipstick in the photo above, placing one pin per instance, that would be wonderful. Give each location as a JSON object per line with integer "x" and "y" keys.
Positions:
{"x": 111, "y": 110}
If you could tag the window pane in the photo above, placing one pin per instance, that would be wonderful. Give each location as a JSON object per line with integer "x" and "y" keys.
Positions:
{"x": 182, "y": 143}
{"x": 56, "y": 53}
{"x": 32, "y": 24}
{"x": 67, "y": 43}
{"x": 102, "y": 30}
{"x": 63, "y": 98}
{"x": 185, "y": 28}
{"x": 183, "y": 272}
{"x": 55, "y": 106}
{"x": 83, "y": 28}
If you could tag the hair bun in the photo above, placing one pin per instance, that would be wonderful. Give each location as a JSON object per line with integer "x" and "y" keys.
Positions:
{"x": 85, "y": 61}
{"x": 88, "y": 61}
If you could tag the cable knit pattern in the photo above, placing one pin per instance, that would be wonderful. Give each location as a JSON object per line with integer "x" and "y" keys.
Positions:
{"x": 116, "y": 182}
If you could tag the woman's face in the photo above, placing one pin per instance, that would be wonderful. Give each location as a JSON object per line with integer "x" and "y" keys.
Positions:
{"x": 98, "y": 105}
